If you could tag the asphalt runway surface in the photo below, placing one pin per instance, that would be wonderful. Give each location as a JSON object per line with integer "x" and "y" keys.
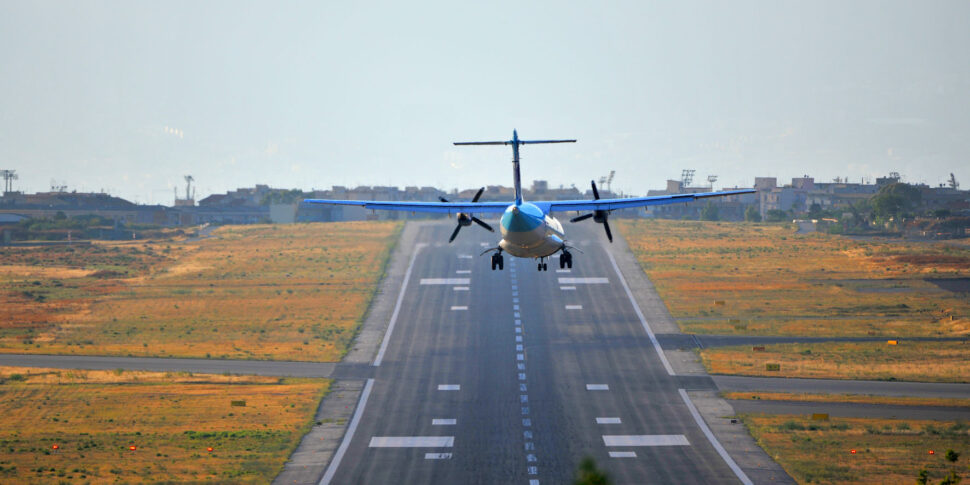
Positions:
{"x": 514, "y": 376}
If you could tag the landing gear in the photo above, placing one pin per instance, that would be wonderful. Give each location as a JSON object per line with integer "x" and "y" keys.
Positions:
{"x": 498, "y": 261}
{"x": 565, "y": 260}
{"x": 543, "y": 266}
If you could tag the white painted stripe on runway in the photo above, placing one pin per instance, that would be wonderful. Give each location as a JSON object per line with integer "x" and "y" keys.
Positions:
{"x": 397, "y": 307}
{"x": 521, "y": 376}
{"x": 463, "y": 271}
{"x": 523, "y": 387}
{"x": 518, "y": 347}
{"x": 518, "y": 338}
{"x": 349, "y": 435}
{"x": 515, "y": 300}
{"x": 520, "y": 366}
{"x": 515, "y": 293}
{"x": 518, "y": 322}
{"x": 449, "y": 387}
{"x": 517, "y": 315}
{"x": 567, "y": 288}
{"x": 574, "y": 307}
{"x": 623, "y": 454}
{"x": 518, "y": 329}
{"x": 597, "y": 387}
{"x": 412, "y": 442}
{"x": 459, "y": 308}
{"x": 643, "y": 321}
{"x": 459, "y": 288}
{"x": 713, "y": 439}
{"x": 444, "y": 422}
{"x": 645, "y": 440}
{"x": 607, "y": 420}
{"x": 514, "y": 287}
{"x": 564, "y": 271}
{"x": 465, "y": 256}
{"x": 519, "y": 356}
{"x": 584, "y": 281}
{"x": 445, "y": 281}
{"x": 437, "y": 456}
{"x": 533, "y": 482}
{"x": 515, "y": 307}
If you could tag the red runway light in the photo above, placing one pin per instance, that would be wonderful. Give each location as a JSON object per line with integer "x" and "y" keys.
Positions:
{"x": 852, "y": 451}
{"x": 932, "y": 452}
{"x": 132, "y": 447}
{"x": 209, "y": 449}
{"x": 55, "y": 447}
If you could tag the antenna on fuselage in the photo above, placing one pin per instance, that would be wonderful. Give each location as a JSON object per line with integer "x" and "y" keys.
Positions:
{"x": 515, "y": 142}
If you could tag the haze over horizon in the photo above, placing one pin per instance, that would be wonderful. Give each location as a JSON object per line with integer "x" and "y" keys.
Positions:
{"x": 129, "y": 97}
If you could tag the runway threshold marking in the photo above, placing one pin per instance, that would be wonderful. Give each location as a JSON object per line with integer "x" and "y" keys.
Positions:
{"x": 349, "y": 435}
{"x": 597, "y": 387}
{"x": 445, "y": 281}
{"x": 584, "y": 281}
{"x": 444, "y": 422}
{"x": 449, "y": 387}
{"x": 713, "y": 439}
{"x": 412, "y": 442}
{"x": 397, "y": 306}
{"x": 645, "y": 440}
{"x": 643, "y": 320}
{"x": 607, "y": 420}
{"x": 465, "y": 256}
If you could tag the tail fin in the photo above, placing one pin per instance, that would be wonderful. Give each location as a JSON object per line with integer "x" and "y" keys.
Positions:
{"x": 515, "y": 142}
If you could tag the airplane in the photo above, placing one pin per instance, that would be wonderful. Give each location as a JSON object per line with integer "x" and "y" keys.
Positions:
{"x": 528, "y": 228}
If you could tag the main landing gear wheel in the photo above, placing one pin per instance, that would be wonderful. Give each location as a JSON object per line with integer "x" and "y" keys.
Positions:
{"x": 498, "y": 261}
{"x": 566, "y": 260}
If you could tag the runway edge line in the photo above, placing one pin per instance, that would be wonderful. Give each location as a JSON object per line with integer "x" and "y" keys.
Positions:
{"x": 397, "y": 306}
{"x": 643, "y": 320}
{"x": 349, "y": 435}
{"x": 714, "y": 442}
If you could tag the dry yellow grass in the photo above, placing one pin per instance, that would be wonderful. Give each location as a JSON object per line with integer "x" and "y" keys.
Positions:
{"x": 94, "y": 416}
{"x": 887, "y": 450}
{"x": 908, "y": 361}
{"x": 850, "y": 398}
{"x": 293, "y": 292}
{"x": 775, "y": 282}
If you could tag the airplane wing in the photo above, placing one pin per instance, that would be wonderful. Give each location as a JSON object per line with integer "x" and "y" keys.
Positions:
{"x": 613, "y": 204}
{"x": 403, "y": 206}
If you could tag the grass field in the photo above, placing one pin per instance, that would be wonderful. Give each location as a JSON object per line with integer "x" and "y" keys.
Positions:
{"x": 292, "y": 292}
{"x": 95, "y": 416}
{"x": 763, "y": 279}
{"x": 907, "y": 361}
{"x": 849, "y": 398}
{"x": 887, "y": 450}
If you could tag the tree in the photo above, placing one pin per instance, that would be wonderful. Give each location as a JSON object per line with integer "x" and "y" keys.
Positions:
{"x": 710, "y": 212}
{"x": 815, "y": 211}
{"x": 776, "y": 215}
{"x": 923, "y": 477}
{"x": 952, "y": 456}
{"x": 751, "y": 214}
{"x": 895, "y": 200}
{"x": 589, "y": 474}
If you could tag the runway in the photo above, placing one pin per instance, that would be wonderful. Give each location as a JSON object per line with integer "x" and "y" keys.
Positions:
{"x": 514, "y": 376}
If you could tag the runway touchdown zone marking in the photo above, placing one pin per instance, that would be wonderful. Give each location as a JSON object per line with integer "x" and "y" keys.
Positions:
{"x": 574, "y": 307}
{"x": 445, "y": 281}
{"x": 444, "y": 422}
{"x": 412, "y": 442}
{"x": 597, "y": 387}
{"x": 449, "y": 387}
{"x": 459, "y": 308}
{"x": 584, "y": 281}
{"x": 645, "y": 440}
{"x": 607, "y": 420}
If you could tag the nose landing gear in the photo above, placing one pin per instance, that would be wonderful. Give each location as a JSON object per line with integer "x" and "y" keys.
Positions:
{"x": 498, "y": 261}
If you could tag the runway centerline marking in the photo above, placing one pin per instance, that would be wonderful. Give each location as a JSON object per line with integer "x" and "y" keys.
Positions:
{"x": 445, "y": 281}
{"x": 459, "y": 308}
{"x": 449, "y": 387}
{"x": 444, "y": 422}
{"x": 584, "y": 281}
{"x": 607, "y": 420}
{"x": 412, "y": 442}
{"x": 574, "y": 307}
{"x": 645, "y": 440}
{"x": 597, "y": 387}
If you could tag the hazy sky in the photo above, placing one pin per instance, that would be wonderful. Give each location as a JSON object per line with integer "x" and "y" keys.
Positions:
{"x": 130, "y": 96}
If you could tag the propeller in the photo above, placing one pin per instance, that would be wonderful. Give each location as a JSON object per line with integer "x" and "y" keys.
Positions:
{"x": 600, "y": 216}
{"x": 467, "y": 220}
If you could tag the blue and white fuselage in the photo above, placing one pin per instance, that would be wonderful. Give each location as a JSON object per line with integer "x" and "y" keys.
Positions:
{"x": 528, "y": 232}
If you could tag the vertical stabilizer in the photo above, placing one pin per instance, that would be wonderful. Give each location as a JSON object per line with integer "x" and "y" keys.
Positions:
{"x": 515, "y": 142}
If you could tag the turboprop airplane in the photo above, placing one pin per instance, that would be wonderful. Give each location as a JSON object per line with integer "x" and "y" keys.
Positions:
{"x": 528, "y": 228}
